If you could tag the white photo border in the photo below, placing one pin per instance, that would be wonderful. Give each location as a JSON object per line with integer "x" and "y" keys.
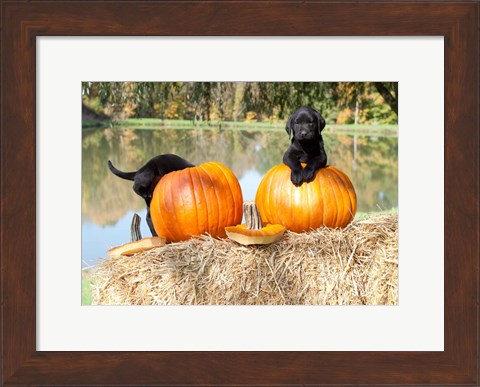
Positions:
{"x": 416, "y": 324}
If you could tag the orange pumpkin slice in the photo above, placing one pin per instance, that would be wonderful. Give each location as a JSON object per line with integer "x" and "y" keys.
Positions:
{"x": 268, "y": 234}
{"x": 253, "y": 232}
{"x": 137, "y": 246}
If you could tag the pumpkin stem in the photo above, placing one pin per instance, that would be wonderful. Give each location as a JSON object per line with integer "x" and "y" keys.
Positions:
{"x": 253, "y": 219}
{"x": 135, "y": 234}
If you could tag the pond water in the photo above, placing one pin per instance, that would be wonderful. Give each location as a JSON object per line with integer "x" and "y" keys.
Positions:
{"x": 108, "y": 202}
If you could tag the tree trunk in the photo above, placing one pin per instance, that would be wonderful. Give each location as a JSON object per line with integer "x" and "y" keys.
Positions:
{"x": 391, "y": 100}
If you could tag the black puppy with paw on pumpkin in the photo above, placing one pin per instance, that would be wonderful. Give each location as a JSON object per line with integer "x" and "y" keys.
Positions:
{"x": 304, "y": 127}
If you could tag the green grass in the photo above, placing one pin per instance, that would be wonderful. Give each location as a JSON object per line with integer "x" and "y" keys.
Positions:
{"x": 156, "y": 123}
{"x": 382, "y": 130}
{"x": 87, "y": 281}
{"x": 86, "y": 124}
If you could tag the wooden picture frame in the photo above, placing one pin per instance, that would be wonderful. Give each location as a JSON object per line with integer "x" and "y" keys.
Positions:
{"x": 23, "y": 22}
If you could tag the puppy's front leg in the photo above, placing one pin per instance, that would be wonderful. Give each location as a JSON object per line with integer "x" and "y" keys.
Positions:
{"x": 313, "y": 165}
{"x": 310, "y": 170}
{"x": 150, "y": 223}
{"x": 292, "y": 160}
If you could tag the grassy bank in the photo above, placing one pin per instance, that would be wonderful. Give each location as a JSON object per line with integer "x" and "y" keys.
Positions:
{"x": 155, "y": 123}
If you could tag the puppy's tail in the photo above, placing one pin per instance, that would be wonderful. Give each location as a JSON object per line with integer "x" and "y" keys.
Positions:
{"x": 123, "y": 175}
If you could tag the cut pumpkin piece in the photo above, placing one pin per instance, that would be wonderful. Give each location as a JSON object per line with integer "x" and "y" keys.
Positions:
{"x": 137, "y": 246}
{"x": 253, "y": 232}
{"x": 268, "y": 234}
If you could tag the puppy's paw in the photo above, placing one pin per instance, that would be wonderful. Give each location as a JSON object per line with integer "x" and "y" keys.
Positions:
{"x": 308, "y": 174}
{"x": 297, "y": 178}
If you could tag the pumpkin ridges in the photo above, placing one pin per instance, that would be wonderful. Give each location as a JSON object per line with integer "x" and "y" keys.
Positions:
{"x": 204, "y": 198}
{"x": 351, "y": 194}
{"x": 353, "y": 200}
{"x": 219, "y": 173}
{"x": 167, "y": 230}
{"x": 173, "y": 181}
{"x": 167, "y": 183}
{"x": 345, "y": 200}
{"x": 239, "y": 198}
{"x": 194, "y": 197}
{"x": 232, "y": 180}
{"x": 322, "y": 202}
{"x": 268, "y": 197}
{"x": 322, "y": 193}
{"x": 299, "y": 211}
{"x": 335, "y": 209}
{"x": 184, "y": 181}
{"x": 340, "y": 182}
{"x": 213, "y": 208}
{"x": 348, "y": 213}
{"x": 202, "y": 204}
{"x": 306, "y": 209}
{"x": 291, "y": 190}
{"x": 338, "y": 198}
{"x": 217, "y": 213}
{"x": 349, "y": 201}
{"x": 309, "y": 212}
{"x": 316, "y": 204}
{"x": 186, "y": 194}
{"x": 284, "y": 187}
{"x": 170, "y": 194}
{"x": 273, "y": 198}
{"x": 154, "y": 208}
{"x": 168, "y": 211}
{"x": 326, "y": 187}
{"x": 259, "y": 202}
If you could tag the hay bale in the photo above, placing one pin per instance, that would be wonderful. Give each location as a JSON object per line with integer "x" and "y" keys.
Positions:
{"x": 357, "y": 265}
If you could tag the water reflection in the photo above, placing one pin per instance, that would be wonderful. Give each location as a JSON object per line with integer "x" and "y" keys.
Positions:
{"x": 109, "y": 202}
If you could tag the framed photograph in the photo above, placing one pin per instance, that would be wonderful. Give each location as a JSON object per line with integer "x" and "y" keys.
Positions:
{"x": 246, "y": 129}
{"x": 224, "y": 82}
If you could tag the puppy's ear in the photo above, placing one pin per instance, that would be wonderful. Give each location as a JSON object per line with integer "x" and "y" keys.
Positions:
{"x": 320, "y": 123}
{"x": 289, "y": 127}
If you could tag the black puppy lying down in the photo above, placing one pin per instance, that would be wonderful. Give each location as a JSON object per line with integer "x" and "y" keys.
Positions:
{"x": 147, "y": 177}
{"x": 304, "y": 127}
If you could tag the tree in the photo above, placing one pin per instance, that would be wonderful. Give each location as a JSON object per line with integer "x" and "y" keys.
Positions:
{"x": 389, "y": 92}
{"x": 234, "y": 100}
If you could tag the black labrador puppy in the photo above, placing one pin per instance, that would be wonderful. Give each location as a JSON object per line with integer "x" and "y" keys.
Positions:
{"x": 147, "y": 177}
{"x": 304, "y": 127}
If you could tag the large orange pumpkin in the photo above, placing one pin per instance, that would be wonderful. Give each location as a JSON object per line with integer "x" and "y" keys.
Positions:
{"x": 196, "y": 200}
{"x": 329, "y": 200}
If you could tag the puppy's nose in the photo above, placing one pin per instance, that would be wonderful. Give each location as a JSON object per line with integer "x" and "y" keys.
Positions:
{"x": 303, "y": 133}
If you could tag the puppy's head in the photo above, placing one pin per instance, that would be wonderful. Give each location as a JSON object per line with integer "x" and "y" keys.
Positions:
{"x": 143, "y": 191}
{"x": 305, "y": 123}
{"x": 143, "y": 184}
